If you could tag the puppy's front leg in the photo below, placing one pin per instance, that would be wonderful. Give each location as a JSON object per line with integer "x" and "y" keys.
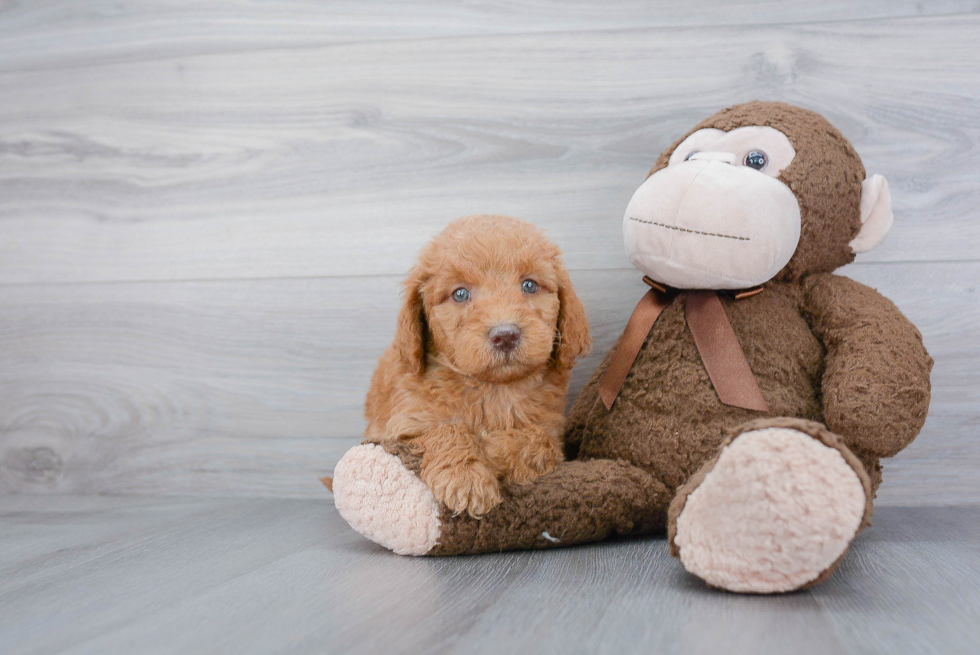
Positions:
{"x": 521, "y": 456}
{"x": 455, "y": 469}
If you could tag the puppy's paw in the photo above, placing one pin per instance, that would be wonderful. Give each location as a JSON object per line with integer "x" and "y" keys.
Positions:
{"x": 529, "y": 470}
{"x": 470, "y": 487}
{"x": 521, "y": 457}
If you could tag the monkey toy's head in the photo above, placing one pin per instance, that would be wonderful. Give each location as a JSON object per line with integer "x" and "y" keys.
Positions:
{"x": 758, "y": 191}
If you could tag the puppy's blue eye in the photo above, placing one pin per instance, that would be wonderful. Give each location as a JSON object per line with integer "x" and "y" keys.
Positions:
{"x": 529, "y": 286}
{"x": 461, "y": 295}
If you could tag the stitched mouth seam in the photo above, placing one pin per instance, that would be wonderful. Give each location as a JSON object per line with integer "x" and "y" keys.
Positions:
{"x": 684, "y": 229}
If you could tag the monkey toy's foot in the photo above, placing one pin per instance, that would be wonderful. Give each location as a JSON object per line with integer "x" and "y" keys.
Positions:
{"x": 775, "y": 511}
{"x": 385, "y": 502}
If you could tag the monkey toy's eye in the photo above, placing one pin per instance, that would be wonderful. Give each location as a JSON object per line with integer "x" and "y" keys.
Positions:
{"x": 691, "y": 154}
{"x": 757, "y": 160}
{"x": 529, "y": 286}
{"x": 461, "y": 295}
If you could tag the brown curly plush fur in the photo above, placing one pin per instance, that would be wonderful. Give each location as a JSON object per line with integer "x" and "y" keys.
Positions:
{"x": 474, "y": 414}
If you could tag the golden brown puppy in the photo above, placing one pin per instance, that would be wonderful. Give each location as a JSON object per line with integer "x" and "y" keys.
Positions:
{"x": 475, "y": 380}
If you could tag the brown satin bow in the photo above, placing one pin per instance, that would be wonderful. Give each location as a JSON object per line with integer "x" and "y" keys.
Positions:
{"x": 714, "y": 337}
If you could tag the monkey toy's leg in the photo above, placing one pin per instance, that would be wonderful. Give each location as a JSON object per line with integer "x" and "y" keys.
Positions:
{"x": 379, "y": 495}
{"x": 774, "y": 511}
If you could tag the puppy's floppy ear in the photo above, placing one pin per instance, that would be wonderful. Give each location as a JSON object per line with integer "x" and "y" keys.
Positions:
{"x": 572, "y": 338}
{"x": 411, "y": 332}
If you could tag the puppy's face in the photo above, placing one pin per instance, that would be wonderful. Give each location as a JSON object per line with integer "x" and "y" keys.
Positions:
{"x": 493, "y": 320}
{"x": 490, "y": 298}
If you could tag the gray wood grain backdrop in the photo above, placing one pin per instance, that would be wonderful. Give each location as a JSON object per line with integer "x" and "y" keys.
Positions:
{"x": 206, "y": 207}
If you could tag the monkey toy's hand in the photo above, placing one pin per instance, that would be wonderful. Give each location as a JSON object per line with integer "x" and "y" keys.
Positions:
{"x": 876, "y": 382}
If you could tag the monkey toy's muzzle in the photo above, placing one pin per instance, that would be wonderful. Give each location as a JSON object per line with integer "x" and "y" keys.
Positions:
{"x": 710, "y": 224}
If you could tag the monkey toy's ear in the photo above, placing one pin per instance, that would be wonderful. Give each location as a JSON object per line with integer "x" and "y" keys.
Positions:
{"x": 876, "y": 214}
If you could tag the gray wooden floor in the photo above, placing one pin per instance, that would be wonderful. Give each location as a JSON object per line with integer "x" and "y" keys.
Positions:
{"x": 202, "y": 575}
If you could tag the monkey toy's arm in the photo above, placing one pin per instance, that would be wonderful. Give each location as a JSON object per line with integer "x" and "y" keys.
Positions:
{"x": 876, "y": 381}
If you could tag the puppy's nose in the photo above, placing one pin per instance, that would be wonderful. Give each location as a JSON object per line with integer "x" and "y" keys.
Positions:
{"x": 504, "y": 337}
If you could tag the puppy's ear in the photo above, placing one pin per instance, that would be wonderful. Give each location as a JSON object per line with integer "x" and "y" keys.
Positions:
{"x": 411, "y": 332}
{"x": 572, "y": 340}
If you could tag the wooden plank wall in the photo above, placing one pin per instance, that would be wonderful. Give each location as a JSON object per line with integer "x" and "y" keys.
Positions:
{"x": 206, "y": 207}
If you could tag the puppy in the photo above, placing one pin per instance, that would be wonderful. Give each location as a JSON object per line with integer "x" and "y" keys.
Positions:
{"x": 476, "y": 377}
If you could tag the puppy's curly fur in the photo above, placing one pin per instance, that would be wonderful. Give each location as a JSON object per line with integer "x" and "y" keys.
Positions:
{"x": 479, "y": 414}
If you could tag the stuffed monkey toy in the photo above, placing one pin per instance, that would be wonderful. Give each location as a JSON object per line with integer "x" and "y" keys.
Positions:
{"x": 752, "y": 395}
